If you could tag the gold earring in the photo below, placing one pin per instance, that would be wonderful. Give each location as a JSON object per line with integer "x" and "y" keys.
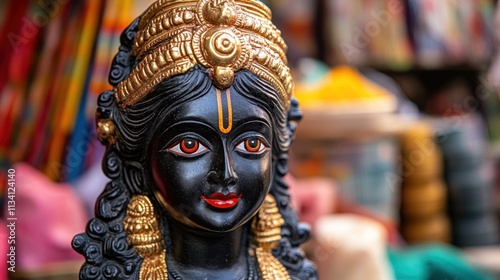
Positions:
{"x": 142, "y": 227}
{"x": 266, "y": 235}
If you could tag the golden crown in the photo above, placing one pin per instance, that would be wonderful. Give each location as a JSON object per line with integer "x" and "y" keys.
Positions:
{"x": 222, "y": 35}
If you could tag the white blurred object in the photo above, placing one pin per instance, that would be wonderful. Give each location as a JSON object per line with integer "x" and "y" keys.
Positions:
{"x": 351, "y": 247}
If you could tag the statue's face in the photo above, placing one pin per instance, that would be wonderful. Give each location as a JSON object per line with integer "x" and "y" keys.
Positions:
{"x": 209, "y": 172}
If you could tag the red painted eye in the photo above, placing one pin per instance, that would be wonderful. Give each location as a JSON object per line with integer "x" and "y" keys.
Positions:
{"x": 252, "y": 146}
{"x": 188, "y": 147}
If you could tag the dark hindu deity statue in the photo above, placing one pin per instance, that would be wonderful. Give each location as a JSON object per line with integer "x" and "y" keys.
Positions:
{"x": 197, "y": 129}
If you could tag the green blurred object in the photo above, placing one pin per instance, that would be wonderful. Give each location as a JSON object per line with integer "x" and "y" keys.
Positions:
{"x": 432, "y": 262}
{"x": 408, "y": 265}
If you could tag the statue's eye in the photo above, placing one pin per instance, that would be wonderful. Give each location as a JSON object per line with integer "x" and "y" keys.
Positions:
{"x": 251, "y": 145}
{"x": 188, "y": 147}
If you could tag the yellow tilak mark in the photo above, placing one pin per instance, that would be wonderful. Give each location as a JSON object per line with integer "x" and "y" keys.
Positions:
{"x": 220, "y": 110}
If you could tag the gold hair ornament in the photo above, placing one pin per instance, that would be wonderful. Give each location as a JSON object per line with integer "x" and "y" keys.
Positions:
{"x": 266, "y": 235}
{"x": 142, "y": 228}
{"x": 106, "y": 131}
{"x": 222, "y": 35}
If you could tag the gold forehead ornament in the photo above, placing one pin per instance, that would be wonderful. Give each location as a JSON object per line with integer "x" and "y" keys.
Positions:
{"x": 223, "y": 36}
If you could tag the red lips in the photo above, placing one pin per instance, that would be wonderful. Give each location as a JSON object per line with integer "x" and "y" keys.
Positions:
{"x": 222, "y": 201}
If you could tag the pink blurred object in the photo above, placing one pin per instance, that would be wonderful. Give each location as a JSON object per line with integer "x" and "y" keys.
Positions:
{"x": 48, "y": 216}
{"x": 312, "y": 197}
{"x": 3, "y": 251}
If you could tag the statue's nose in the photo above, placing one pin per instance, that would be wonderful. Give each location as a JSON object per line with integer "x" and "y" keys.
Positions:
{"x": 224, "y": 174}
{"x": 224, "y": 179}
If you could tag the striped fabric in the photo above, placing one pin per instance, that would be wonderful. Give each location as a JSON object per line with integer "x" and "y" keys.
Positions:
{"x": 56, "y": 63}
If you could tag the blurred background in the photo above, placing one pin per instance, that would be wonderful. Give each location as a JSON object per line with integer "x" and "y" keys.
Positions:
{"x": 396, "y": 162}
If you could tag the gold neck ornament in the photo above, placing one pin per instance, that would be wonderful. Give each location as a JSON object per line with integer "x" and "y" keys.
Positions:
{"x": 222, "y": 35}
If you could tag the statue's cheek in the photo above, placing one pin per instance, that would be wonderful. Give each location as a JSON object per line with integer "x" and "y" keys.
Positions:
{"x": 180, "y": 181}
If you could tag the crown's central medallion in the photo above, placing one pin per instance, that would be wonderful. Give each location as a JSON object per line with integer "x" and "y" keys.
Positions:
{"x": 221, "y": 46}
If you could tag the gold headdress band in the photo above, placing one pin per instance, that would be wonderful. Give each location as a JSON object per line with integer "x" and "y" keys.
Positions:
{"x": 223, "y": 36}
